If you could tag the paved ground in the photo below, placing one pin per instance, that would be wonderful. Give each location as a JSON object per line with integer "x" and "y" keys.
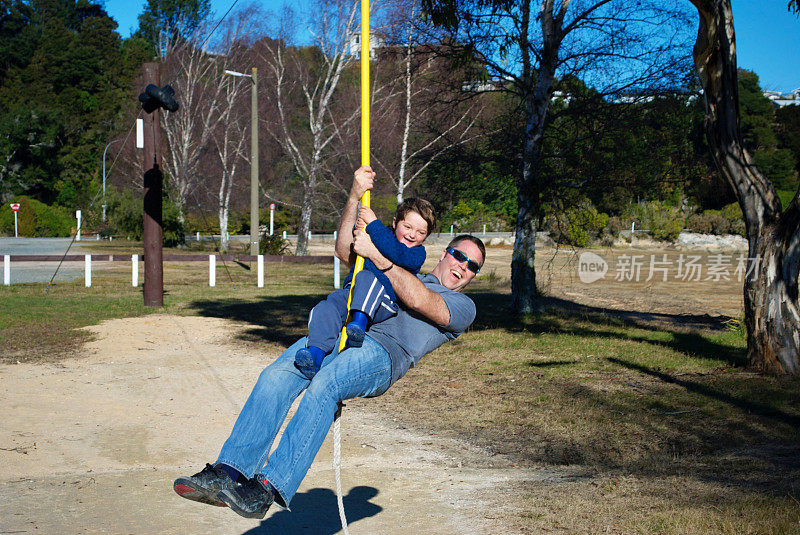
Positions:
{"x": 92, "y": 445}
{"x": 41, "y": 271}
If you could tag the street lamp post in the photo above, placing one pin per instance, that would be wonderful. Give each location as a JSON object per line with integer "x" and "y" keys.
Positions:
{"x": 104, "y": 178}
{"x": 253, "y": 157}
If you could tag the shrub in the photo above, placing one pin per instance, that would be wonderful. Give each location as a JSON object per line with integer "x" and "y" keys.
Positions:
{"x": 273, "y": 245}
{"x": 699, "y": 223}
{"x": 125, "y": 217}
{"x": 470, "y": 216}
{"x": 726, "y": 221}
{"x": 578, "y": 225}
{"x": 282, "y": 220}
{"x": 662, "y": 222}
{"x": 36, "y": 219}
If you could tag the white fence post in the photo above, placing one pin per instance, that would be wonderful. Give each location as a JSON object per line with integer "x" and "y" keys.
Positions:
{"x": 261, "y": 271}
{"x": 87, "y": 270}
{"x": 134, "y": 270}
{"x": 7, "y": 270}
{"x": 451, "y": 230}
{"x": 284, "y": 234}
{"x": 212, "y": 270}
{"x": 336, "y": 282}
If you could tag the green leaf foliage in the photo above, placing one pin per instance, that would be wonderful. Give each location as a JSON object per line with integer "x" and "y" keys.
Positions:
{"x": 63, "y": 87}
{"x": 125, "y": 217}
{"x": 36, "y": 220}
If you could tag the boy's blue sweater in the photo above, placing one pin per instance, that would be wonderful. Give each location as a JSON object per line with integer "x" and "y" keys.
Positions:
{"x": 408, "y": 258}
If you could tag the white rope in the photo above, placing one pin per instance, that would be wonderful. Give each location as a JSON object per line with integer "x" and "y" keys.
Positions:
{"x": 337, "y": 464}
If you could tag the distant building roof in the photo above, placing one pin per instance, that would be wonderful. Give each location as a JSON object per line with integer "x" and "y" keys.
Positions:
{"x": 780, "y": 100}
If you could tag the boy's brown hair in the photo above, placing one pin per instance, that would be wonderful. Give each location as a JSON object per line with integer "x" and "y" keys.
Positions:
{"x": 422, "y": 207}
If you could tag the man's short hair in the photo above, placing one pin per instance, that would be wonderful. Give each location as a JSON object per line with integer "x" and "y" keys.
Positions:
{"x": 469, "y": 237}
{"x": 422, "y": 207}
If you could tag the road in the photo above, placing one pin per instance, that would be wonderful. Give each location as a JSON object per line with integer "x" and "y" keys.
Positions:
{"x": 43, "y": 271}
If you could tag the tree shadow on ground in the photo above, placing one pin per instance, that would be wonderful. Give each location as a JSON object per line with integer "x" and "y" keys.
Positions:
{"x": 750, "y": 407}
{"x": 281, "y": 319}
{"x": 689, "y": 332}
{"x": 316, "y": 512}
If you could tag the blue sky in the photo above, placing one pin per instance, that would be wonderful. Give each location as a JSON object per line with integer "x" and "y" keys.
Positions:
{"x": 767, "y": 36}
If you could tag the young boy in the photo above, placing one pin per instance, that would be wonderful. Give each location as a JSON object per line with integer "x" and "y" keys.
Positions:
{"x": 373, "y": 297}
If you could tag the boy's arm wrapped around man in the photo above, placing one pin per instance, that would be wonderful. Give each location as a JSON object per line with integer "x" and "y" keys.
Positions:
{"x": 409, "y": 258}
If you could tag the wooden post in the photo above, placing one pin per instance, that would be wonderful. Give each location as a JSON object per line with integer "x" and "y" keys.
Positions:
{"x": 153, "y": 180}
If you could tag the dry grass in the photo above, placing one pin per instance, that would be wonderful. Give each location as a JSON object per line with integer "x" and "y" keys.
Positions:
{"x": 647, "y": 411}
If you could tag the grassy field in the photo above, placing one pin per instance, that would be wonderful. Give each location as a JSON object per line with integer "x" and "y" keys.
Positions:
{"x": 648, "y": 417}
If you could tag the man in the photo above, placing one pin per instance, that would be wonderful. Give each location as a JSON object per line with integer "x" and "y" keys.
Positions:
{"x": 245, "y": 476}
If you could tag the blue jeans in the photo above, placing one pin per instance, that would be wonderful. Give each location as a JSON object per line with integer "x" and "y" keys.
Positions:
{"x": 357, "y": 372}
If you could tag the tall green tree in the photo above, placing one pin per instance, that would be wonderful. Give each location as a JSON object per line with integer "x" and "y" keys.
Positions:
{"x": 60, "y": 100}
{"x": 787, "y": 121}
{"x": 757, "y": 120}
{"x": 164, "y": 22}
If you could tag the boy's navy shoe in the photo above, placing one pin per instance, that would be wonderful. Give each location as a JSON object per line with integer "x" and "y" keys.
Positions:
{"x": 356, "y": 328}
{"x": 309, "y": 360}
{"x": 251, "y": 499}
{"x": 204, "y": 486}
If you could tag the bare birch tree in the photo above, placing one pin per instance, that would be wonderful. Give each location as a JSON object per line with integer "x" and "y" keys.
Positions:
{"x": 772, "y": 314}
{"x": 308, "y": 78}
{"x": 230, "y": 143}
{"x": 431, "y": 122}
{"x": 205, "y": 95}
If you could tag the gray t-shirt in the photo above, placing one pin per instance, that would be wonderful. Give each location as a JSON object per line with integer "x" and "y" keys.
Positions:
{"x": 408, "y": 336}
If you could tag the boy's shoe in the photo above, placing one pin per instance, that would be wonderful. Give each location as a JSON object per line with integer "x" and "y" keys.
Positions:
{"x": 251, "y": 499}
{"x": 304, "y": 361}
{"x": 355, "y": 334}
{"x": 204, "y": 486}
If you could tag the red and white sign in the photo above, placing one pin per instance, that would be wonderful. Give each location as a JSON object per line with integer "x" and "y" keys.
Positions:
{"x": 15, "y": 206}
{"x": 272, "y": 206}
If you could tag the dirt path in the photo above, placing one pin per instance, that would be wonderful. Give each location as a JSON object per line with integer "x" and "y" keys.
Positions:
{"x": 92, "y": 445}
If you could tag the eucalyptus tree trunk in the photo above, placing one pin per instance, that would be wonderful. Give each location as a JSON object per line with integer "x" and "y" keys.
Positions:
{"x": 523, "y": 272}
{"x": 771, "y": 310}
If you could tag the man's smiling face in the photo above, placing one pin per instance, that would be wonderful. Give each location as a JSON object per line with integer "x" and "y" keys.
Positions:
{"x": 454, "y": 274}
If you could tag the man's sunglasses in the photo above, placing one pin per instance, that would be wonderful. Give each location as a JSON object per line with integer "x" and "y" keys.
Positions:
{"x": 472, "y": 265}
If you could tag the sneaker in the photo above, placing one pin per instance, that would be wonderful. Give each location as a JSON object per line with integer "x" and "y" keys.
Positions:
{"x": 251, "y": 499}
{"x": 304, "y": 361}
{"x": 355, "y": 334}
{"x": 204, "y": 486}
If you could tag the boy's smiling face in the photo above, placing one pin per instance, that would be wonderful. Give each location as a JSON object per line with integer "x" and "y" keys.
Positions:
{"x": 411, "y": 230}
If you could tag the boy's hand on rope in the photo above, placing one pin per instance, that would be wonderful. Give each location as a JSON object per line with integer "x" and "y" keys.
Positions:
{"x": 363, "y": 246}
{"x": 363, "y": 181}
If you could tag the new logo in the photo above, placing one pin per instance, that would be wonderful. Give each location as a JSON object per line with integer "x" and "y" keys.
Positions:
{"x": 591, "y": 267}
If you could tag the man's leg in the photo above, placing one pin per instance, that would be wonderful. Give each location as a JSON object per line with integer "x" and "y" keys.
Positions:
{"x": 248, "y": 445}
{"x": 357, "y": 372}
{"x": 246, "y": 449}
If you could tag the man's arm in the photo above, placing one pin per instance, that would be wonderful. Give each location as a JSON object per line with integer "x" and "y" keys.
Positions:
{"x": 362, "y": 181}
{"x": 408, "y": 288}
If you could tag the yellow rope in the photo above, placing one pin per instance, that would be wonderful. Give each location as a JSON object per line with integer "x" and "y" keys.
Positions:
{"x": 364, "y": 143}
{"x": 337, "y": 434}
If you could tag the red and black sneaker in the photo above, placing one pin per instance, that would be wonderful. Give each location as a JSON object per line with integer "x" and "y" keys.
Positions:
{"x": 204, "y": 486}
{"x": 251, "y": 499}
